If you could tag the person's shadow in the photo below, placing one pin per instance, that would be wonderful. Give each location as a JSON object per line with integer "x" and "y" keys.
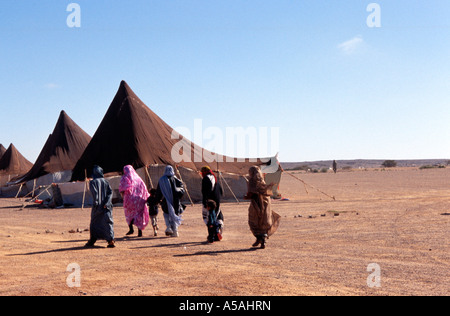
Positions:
{"x": 55, "y": 251}
{"x": 218, "y": 252}
{"x": 127, "y": 239}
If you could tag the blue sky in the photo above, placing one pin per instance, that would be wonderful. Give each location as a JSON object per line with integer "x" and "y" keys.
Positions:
{"x": 334, "y": 87}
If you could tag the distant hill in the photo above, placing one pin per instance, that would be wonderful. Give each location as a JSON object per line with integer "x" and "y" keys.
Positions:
{"x": 363, "y": 163}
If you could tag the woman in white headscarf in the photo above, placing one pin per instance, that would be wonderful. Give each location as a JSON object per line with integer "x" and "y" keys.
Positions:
{"x": 169, "y": 193}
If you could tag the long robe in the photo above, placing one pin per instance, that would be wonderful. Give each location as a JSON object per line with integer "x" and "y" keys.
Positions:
{"x": 261, "y": 219}
{"x": 168, "y": 193}
{"x": 102, "y": 223}
{"x": 135, "y": 195}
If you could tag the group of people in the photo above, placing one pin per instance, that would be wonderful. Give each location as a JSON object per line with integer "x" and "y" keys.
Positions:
{"x": 142, "y": 207}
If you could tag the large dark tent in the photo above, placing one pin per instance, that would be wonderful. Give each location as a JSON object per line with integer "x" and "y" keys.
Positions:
{"x": 61, "y": 151}
{"x": 132, "y": 134}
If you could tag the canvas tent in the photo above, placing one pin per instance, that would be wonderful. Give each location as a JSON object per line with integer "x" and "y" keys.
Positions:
{"x": 2, "y": 150}
{"x": 59, "y": 154}
{"x": 132, "y": 134}
{"x": 12, "y": 164}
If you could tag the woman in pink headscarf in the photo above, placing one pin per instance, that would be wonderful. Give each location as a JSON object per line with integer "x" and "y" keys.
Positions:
{"x": 135, "y": 195}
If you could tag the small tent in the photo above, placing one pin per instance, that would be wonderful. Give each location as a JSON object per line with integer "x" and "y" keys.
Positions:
{"x": 12, "y": 164}
{"x": 59, "y": 154}
{"x": 2, "y": 150}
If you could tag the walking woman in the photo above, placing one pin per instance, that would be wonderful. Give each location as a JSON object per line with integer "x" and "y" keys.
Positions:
{"x": 102, "y": 224}
{"x": 135, "y": 195}
{"x": 262, "y": 220}
{"x": 169, "y": 193}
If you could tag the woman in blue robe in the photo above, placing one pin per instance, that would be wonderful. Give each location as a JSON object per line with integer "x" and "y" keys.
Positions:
{"x": 102, "y": 224}
{"x": 169, "y": 193}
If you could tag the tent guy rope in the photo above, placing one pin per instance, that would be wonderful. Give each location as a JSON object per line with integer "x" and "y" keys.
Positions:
{"x": 309, "y": 185}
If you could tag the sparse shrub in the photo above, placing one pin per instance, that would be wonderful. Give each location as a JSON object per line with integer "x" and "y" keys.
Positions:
{"x": 389, "y": 164}
{"x": 302, "y": 168}
{"x": 432, "y": 167}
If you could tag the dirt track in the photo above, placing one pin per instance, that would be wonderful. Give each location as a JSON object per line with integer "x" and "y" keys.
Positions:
{"x": 391, "y": 218}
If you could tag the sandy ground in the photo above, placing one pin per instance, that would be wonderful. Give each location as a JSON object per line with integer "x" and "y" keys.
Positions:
{"x": 391, "y": 218}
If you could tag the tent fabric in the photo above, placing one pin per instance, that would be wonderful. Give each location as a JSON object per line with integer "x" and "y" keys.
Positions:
{"x": 13, "y": 163}
{"x": 132, "y": 134}
{"x": 2, "y": 151}
{"x": 61, "y": 151}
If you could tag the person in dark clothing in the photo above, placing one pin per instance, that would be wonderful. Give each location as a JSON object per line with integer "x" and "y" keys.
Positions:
{"x": 211, "y": 190}
{"x": 169, "y": 193}
{"x": 102, "y": 224}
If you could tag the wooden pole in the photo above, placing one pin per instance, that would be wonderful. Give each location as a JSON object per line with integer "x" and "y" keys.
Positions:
{"x": 84, "y": 189}
{"x": 187, "y": 191}
{"x": 32, "y": 192}
{"x": 18, "y": 192}
{"x": 149, "y": 178}
{"x": 34, "y": 187}
{"x": 229, "y": 188}
{"x": 45, "y": 190}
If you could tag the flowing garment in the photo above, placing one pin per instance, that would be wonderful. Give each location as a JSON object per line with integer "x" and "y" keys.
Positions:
{"x": 102, "y": 224}
{"x": 261, "y": 219}
{"x": 135, "y": 195}
{"x": 166, "y": 187}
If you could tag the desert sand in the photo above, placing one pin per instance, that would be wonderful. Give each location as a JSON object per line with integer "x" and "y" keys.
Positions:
{"x": 395, "y": 219}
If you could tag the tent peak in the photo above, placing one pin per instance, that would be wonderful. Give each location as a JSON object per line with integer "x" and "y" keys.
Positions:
{"x": 126, "y": 88}
{"x": 124, "y": 84}
{"x": 63, "y": 114}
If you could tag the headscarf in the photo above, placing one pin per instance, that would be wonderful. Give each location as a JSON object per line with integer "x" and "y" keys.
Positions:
{"x": 166, "y": 190}
{"x": 100, "y": 189}
{"x": 131, "y": 181}
{"x": 207, "y": 172}
{"x": 135, "y": 198}
{"x": 97, "y": 173}
{"x": 169, "y": 172}
{"x": 256, "y": 183}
